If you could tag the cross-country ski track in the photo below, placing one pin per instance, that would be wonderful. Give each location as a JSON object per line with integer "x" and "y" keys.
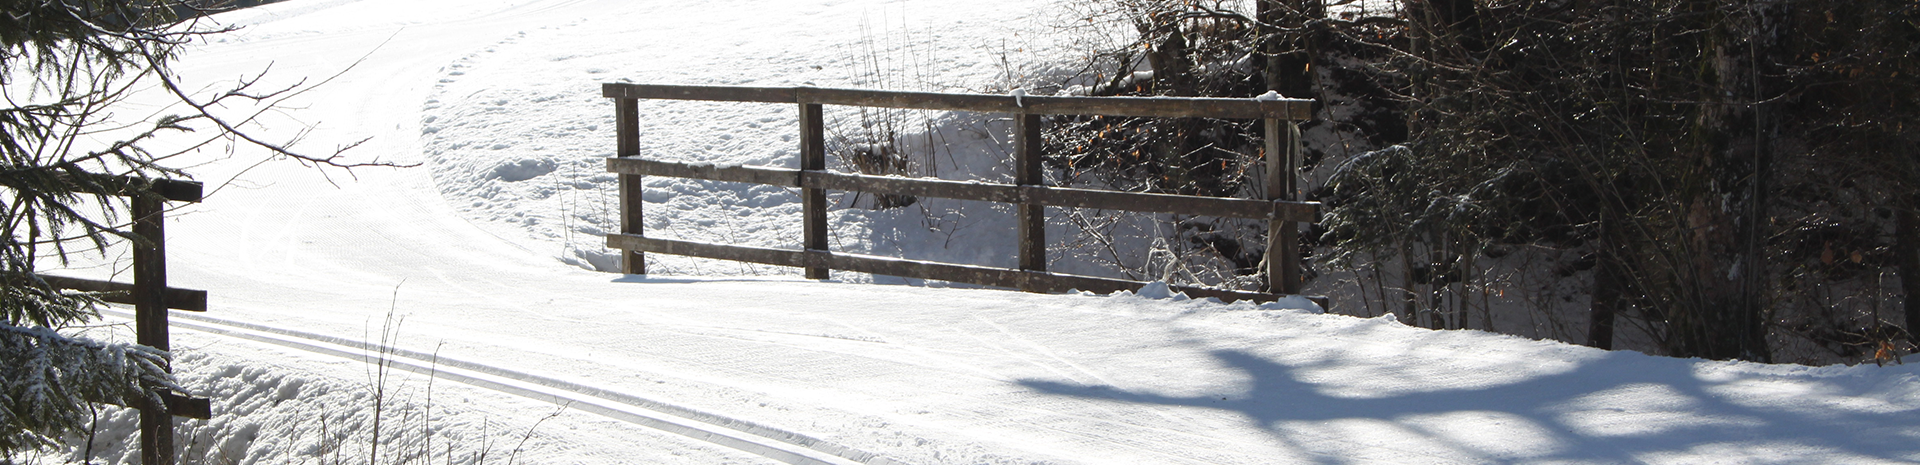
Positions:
{"x": 746, "y": 436}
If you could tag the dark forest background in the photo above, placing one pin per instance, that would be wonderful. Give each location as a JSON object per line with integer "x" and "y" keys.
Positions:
{"x": 1727, "y": 179}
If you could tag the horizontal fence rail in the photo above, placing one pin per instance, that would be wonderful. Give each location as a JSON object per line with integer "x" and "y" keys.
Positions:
{"x": 1035, "y": 281}
{"x": 1154, "y": 107}
{"x": 127, "y": 186}
{"x": 1285, "y": 210}
{"x": 1282, "y": 209}
{"x": 123, "y": 293}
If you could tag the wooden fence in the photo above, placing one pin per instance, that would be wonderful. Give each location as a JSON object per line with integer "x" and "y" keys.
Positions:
{"x": 151, "y": 299}
{"x": 1029, "y": 193}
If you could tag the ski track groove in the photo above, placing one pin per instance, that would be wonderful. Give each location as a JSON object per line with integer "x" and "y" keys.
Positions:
{"x": 746, "y": 436}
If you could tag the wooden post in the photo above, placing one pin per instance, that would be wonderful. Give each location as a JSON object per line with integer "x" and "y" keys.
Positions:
{"x": 1031, "y": 218}
{"x": 150, "y": 318}
{"x": 813, "y": 157}
{"x": 1283, "y": 236}
{"x": 626, "y": 120}
{"x": 1290, "y": 232}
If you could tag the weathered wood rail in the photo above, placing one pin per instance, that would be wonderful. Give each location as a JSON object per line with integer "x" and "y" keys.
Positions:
{"x": 1282, "y": 209}
{"x": 151, "y": 298}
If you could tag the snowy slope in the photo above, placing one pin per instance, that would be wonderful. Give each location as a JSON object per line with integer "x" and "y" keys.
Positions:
{"x": 484, "y": 251}
{"x": 514, "y": 131}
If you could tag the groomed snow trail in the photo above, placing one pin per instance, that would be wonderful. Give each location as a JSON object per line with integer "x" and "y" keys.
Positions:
{"x": 746, "y": 436}
{"x": 913, "y": 374}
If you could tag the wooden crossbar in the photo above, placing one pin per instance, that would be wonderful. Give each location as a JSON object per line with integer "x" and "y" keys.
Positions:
{"x": 1284, "y": 210}
{"x": 122, "y": 293}
{"x": 1154, "y": 107}
{"x": 1032, "y": 281}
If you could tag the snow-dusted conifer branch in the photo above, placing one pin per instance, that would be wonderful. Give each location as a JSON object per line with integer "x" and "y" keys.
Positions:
{"x": 48, "y": 378}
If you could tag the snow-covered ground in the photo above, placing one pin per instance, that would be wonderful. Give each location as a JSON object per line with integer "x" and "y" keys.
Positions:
{"x": 476, "y": 266}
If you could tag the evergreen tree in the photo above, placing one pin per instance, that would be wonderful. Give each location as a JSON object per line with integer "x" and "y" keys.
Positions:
{"x": 1724, "y": 166}
{"x": 65, "y": 66}
{"x": 1729, "y": 179}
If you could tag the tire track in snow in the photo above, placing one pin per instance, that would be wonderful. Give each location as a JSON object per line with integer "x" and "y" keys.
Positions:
{"x": 766, "y": 441}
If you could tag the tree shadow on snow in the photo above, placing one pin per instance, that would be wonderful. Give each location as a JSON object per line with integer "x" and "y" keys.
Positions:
{"x": 1621, "y": 407}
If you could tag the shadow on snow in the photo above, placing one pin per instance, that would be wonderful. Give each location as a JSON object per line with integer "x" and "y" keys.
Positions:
{"x": 1621, "y": 407}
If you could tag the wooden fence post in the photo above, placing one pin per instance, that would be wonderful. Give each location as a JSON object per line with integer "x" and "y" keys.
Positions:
{"x": 813, "y": 157}
{"x": 1031, "y": 218}
{"x": 151, "y": 299}
{"x": 1291, "y": 232}
{"x": 150, "y": 318}
{"x": 626, "y": 120}
{"x": 1283, "y": 235}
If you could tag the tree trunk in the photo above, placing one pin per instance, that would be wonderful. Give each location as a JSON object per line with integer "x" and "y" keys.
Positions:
{"x": 1727, "y": 213}
{"x": 1289, "y": 65}
{"x": 1606, "y": 298}
{"x": 1907, "y": 252}
{"x": 1172, "y": 71}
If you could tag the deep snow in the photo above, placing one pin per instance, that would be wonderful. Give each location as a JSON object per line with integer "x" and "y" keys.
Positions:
{"x": 484, "y": 251}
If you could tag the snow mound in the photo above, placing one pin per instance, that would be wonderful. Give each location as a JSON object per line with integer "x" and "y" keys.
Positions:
{"x": 526, "y": 168}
